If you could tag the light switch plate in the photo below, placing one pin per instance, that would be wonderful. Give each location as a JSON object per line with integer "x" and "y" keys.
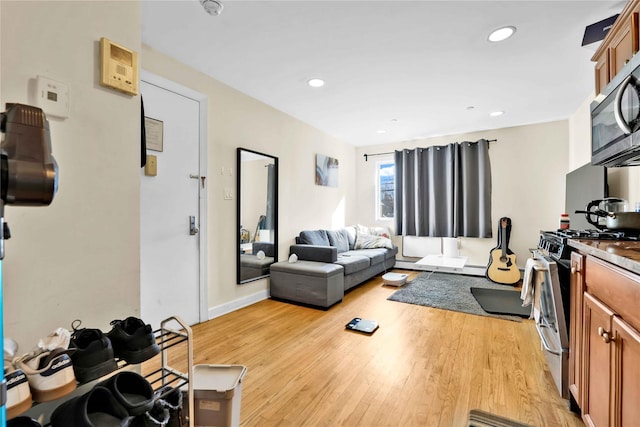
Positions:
{"x": 151, "y": 167}
{"x": 52, "y": 97}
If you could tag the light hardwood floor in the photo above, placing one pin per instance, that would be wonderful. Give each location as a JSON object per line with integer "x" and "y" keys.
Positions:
{"x": 423, "y": 367}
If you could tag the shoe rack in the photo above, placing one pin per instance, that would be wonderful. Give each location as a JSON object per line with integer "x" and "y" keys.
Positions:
{"x": 168, "y": 337}
{"x": 172, "y": 337}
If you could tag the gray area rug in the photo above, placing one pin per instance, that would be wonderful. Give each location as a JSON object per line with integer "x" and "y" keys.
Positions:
{"x": 448, "y": 292}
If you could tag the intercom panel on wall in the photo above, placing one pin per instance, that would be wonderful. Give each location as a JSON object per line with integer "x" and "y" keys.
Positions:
{"x": 118, "y": 67}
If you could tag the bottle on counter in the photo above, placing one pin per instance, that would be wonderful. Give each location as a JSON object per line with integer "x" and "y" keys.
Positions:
{"x": 564, "y": 221}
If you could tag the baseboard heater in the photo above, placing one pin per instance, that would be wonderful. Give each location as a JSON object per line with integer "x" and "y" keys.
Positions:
{"x": 472, "y": 270}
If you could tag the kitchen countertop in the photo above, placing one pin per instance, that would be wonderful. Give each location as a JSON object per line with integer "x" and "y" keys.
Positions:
{"x": 623, "y": 253}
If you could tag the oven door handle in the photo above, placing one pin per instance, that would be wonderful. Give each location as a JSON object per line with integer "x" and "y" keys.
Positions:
{"x": 544, "y": 341}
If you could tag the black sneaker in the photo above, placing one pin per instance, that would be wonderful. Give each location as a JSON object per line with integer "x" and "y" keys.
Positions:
{"x": 93, "y": 356}
{"x": 132, "y": 340}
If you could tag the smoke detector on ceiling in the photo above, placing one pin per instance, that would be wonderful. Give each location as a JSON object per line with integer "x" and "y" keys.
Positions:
{"x": 213, "y": 7}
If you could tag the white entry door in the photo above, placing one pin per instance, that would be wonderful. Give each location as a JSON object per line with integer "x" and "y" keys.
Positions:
{"x": 172, "y": 271}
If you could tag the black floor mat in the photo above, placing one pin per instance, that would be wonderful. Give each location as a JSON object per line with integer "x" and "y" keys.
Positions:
{"x": 501, "y": 301}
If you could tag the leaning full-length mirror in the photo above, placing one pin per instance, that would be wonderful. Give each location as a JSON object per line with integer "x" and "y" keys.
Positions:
{"x": 257, "y": 214}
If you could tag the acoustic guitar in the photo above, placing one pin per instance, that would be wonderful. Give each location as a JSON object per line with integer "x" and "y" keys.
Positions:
{"x": 502, "y": 266}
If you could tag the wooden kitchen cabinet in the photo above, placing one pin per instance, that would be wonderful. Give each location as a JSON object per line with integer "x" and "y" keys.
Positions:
{"x": 602, "y": 70}
{"x": 619, "y": 45}
{"x": 606, "y": 367}
{"x": 596, "y": 360}
{"x": 577, "y": 288}
{"x": 625, "y": 374}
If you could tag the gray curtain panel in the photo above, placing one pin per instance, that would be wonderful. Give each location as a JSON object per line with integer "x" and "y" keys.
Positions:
{"x": 444, "y": 191}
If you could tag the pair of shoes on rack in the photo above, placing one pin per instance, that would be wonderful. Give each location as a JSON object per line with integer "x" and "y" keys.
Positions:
{"x": 18, "y": 391}
{"x": 116, "y": 401}
{"x": 166, "y": 410}
{"x": 49, "y": 373}
{"x": 133, "y": 340}
{"x": 130, "y": 340}
{"x": 93, "y": 356}
{"x": 44, "y": 374}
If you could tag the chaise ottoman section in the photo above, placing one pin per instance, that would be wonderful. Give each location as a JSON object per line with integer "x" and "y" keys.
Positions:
{"x": 311, "y": 283}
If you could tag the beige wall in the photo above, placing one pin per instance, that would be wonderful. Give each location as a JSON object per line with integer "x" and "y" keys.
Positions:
{"x": 79, "y": 257}
{"x": 526, "y": 162}
{"x": 236, "y": 120}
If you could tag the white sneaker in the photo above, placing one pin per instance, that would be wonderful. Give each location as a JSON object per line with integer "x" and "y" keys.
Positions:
{"x": 50, "y": 373}
{"x": 59, "y": 338}
{"x": 18, "y": 392}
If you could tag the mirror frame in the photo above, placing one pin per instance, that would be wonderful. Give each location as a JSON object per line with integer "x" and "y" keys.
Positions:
{"x": 239, "y": 152}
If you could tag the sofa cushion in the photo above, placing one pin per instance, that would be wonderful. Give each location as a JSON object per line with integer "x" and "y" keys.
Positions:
{"x": 353, "y": 263}
{"x": 351, "y": 233}
{"x": 369, "y": 241}
{"x": 375, "y": 255}
{"x": 314, "y": 237}
{"x": 339, "y": 239}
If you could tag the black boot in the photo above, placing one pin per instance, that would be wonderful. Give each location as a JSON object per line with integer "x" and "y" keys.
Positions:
{"x": 171, "y": 399}
{"x": 157, "y": 416}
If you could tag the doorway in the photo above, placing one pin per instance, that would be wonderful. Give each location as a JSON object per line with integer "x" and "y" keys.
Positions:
{"x": 172, "y": 204}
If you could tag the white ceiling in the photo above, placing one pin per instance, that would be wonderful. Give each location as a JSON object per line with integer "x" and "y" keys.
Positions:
{"x": 423, "y": 63}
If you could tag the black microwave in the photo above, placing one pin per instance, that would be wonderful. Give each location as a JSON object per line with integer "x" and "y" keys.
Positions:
{"x": 615, "y": 119}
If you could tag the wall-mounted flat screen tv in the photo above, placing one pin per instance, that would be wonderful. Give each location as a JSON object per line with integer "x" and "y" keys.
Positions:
{"x": 583, "y": 185}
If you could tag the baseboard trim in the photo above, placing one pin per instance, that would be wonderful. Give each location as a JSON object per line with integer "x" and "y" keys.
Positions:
{"x": 472, "y": 270}
{"x": 228, "y": 307}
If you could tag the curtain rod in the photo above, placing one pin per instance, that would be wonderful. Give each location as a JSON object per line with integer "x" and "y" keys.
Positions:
{"x": 366, "y": 156}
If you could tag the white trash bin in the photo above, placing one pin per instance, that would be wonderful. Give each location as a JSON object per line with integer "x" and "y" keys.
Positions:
{"x": 217, "y": 391}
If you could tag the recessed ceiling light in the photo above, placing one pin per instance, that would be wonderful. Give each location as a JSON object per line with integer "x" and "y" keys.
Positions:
{"x": 381, "y": 131}
{"x": 394, "y": 120}
{"x": 496, "y": 113}
{"x": 316, "y": 82}
{"x": 502, "y": 33}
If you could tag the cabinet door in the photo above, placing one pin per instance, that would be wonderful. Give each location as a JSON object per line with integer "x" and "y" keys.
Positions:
{"x": 626, "y": 375}
{"x": 602, "y": 71}
{"x": 596, "y": 362}
{"x": 625, "y": 45}
{"x": 575, "y": 327}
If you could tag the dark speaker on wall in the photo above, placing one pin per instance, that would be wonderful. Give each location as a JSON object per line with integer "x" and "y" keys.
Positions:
{"x": 595, "y": 33}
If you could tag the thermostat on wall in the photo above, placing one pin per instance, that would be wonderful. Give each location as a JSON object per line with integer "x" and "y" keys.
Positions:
{"x": 52, "y": 97}
{"x": 118, "y": 67}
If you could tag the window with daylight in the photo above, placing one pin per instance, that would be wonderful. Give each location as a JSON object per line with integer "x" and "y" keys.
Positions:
{"x": 385, "y": 190}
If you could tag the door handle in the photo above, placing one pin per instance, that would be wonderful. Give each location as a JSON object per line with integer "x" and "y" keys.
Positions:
{"x": 193, "y": 229}
{"x": 200, "y": 177}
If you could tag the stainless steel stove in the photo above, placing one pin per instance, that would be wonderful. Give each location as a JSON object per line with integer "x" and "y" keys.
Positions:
{"x": 554, "y": 259}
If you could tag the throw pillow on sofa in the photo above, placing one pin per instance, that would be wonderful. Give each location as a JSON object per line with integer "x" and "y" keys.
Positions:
{"x": 314, "y": 237}
{"x": 339, "y": 239}
{"x": 374, "y": 231}
{"x": 369, "y": 241}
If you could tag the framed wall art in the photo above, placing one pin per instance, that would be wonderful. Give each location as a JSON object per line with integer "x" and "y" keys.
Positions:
{"x": 326, "y": 171}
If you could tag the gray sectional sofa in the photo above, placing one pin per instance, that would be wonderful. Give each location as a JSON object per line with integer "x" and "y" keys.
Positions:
{"x": 328, "y": 263}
